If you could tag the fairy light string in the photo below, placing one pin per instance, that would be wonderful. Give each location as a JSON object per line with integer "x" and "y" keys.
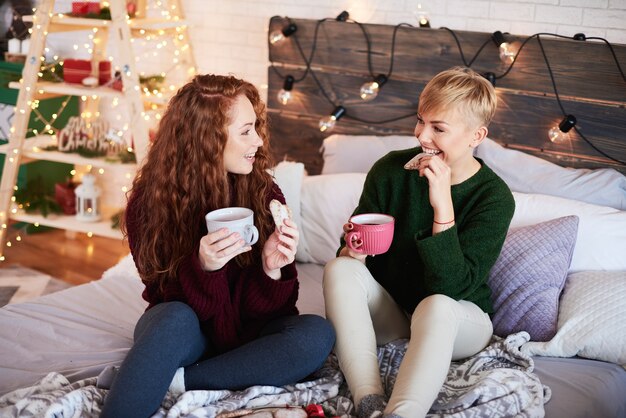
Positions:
{"x": 308, "y": 61}
{"x": 172, "y": 42}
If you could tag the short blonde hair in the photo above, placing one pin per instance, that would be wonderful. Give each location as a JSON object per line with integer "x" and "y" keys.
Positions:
{"x": 462, "y": 89}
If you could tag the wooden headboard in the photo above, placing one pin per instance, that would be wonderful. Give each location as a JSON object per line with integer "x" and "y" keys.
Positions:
{"x": 588, "y": 82}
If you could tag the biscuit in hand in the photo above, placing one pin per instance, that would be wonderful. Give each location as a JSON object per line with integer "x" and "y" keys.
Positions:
{"x": 280, "y": 212}
{"x": 413, "y": 163}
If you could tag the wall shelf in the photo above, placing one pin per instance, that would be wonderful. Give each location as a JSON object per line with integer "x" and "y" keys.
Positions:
{"x": 69, "y": 222}
{"x": 120, "y": 31}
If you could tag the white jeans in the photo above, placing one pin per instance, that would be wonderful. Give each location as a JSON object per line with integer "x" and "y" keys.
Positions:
{"x": 364, "y": 315}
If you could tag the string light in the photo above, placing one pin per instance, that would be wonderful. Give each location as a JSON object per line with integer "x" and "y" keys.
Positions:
{"x": 369, "y": 90}
{"x": 507, "y": 50}
{"x": 182, "y": 60}
{"x": 327, "y": 123}
{"x": 284, "y": 95}
{"x": 560, "y": 133}
{"x": 491, "y": 77}
{"x": 279, "y": 35}
{"x": 343, "y": 16}
{"x": 422, "y": 17}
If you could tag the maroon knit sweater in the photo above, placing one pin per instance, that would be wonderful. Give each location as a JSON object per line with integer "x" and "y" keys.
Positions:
{"x": 233, "y": 304}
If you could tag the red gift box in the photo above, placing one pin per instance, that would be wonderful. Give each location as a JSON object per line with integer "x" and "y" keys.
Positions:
{"x": 66, "y": 197}
{"x": 75, "y": 71}
{"x": 85, "y": 7}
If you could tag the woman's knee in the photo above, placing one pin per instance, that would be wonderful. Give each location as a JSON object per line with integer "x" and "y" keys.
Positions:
{"x": 169, "y": 318}
{"x": 315, "y": 335}
{"x": 320, "y": 328}
{"x": 435, "y": 308}
{"x": 342, "y": 274}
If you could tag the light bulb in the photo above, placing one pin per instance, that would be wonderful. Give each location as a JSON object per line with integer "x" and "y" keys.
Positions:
{"x": 507, "y": 50}
{"x": 280, "y": 34}
{"x": 284, "y": 95}
{"x": 557, "y": 136}
{"x": 370, "y": 90}
{"x": 276, "y": 36}
{"x": 422, "y": 17}
{"x": 560, "y": 133}
{"x": 327, "y": 123}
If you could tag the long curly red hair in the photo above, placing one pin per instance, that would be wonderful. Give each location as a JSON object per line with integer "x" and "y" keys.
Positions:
{"x": 184, "y": 177}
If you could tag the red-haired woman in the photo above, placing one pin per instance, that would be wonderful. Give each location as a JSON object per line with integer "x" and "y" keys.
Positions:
{"x": 221, "y": 313}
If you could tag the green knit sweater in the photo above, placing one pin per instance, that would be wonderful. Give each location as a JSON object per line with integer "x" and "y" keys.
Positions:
{"x": 455, "y": 262}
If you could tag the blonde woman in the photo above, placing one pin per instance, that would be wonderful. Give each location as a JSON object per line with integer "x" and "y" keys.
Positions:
{"x": 452, "y": 213}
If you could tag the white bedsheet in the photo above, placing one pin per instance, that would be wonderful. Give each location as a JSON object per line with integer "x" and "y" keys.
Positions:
{"x": 79, "y": 331}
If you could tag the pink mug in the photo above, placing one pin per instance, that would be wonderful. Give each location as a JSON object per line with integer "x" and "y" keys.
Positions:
{"x": 375, "y": 230}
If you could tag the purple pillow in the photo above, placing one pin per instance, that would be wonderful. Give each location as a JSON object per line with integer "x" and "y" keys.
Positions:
{"x": 527, "y": 279}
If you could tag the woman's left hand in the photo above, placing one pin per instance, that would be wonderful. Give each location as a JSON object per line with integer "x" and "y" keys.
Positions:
{"x": 439, "y": 176}
{"x": 280, "y": 249}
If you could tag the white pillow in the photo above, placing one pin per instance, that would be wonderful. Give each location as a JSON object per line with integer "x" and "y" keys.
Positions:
{"x": 357, "y": 153}
{"x": 529, "y": 174}
{"x": 592, "y": 319}
{"x": 601, "y": 237}
{"x": 328, "y": 200}
{"x": 288, "y": 175}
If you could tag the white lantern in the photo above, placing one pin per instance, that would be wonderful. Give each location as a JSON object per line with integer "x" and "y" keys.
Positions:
{"x": 87, "y": 194}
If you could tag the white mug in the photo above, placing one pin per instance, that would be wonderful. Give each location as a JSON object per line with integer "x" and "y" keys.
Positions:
{"x": 236, "y": 219}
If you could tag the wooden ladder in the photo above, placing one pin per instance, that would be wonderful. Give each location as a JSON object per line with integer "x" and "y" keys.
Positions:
{"x": 118, "y": 32}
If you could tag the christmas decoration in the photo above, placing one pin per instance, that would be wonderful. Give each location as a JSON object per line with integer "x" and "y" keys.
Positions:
{"x": 65, "y": 196}
{"x": 131, "y": 8}
{"x": 85, "y": 7}
{"x": 76, "y": 70}
{"x": 89, "y": 136}
{"x": 36, "y": 198}
{"x": 87, "y": 196}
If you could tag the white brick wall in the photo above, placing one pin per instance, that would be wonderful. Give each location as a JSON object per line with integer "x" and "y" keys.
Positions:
{"x": 230, "y": 36}
{"x": 230, "y": 52}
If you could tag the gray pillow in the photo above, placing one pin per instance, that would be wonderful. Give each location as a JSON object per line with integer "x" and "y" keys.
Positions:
{"x": 527, "y": 279}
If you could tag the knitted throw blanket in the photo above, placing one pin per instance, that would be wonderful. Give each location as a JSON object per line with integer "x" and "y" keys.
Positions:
{"x": 497, "y": 382}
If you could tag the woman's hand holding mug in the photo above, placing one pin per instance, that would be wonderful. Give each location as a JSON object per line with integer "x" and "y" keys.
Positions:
{"x": 368, "y": 234}
{"x": 231, "y": 231}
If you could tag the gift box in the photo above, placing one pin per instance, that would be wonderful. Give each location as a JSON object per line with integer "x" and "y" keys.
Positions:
{"x": 64, "y": 194}
{"x": 75, "y": 71}
{"x": 85, "y": 7}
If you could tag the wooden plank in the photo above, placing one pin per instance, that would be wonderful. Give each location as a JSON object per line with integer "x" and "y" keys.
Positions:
{"x": 522, "y": 124}
{"x": 522, "y": 120}
{"x": 22, "y": 116}
{"x": 396, "y": 99}
{"x": 581, "y": 69}
{"x": 121, "y": 37}
{"x": 296, "y": 137}
{"x": 588, "y": 82}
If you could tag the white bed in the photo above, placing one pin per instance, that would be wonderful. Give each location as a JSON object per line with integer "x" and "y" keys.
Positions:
{"x": 79, "y": 331}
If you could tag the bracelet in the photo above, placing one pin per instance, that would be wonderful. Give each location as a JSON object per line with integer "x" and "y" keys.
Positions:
{"x": 443, "y": 223}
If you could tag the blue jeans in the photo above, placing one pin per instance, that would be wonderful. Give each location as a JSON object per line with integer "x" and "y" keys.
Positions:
{"x": 168, "y": 336}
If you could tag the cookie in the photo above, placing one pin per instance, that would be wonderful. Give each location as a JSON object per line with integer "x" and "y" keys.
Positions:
{"x": 414, "y": 162}
{"x": 280, "y": 212}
